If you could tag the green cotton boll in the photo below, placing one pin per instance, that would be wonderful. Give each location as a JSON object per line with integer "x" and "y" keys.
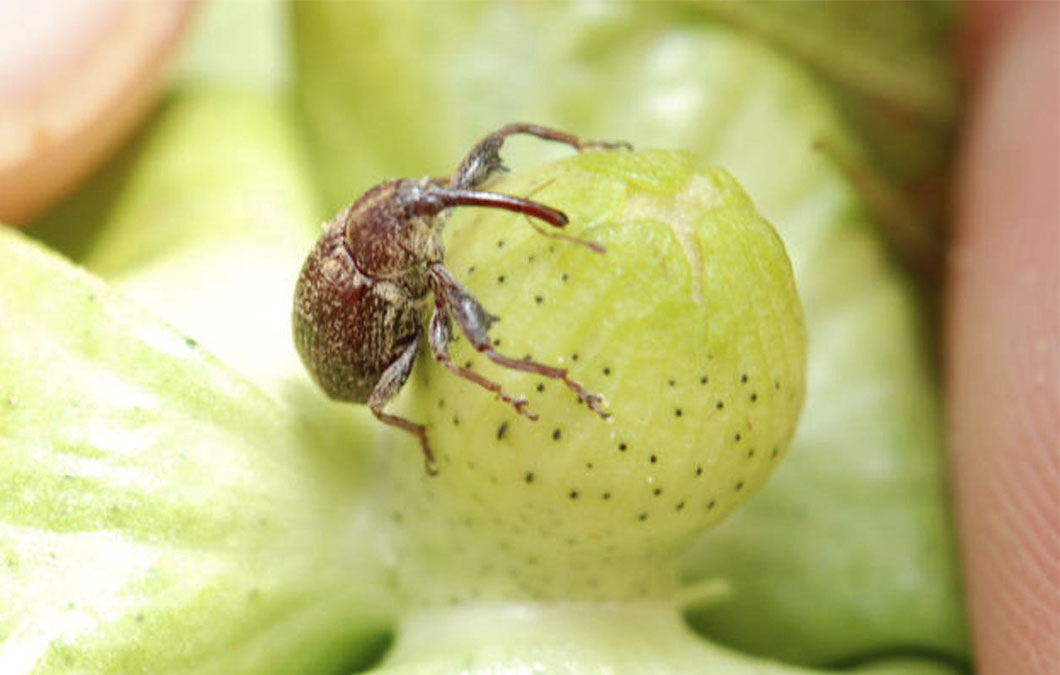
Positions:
{"x": 689, "y": 325}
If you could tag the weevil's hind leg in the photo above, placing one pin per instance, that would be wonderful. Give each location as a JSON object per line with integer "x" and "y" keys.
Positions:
{"x": 474, "y": 322}
{"x": 439, "y": 339}
{"x": 388, "y": 386}
{"x": 484, "y": 160}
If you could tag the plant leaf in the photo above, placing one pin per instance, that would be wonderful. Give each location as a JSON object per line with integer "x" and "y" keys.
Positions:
{"x": 160, "y": 514}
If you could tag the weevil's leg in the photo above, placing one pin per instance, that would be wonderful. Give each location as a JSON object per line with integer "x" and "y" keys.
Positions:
{"x": 474, "y": 323}
{"x": 484, "y": 160}
{"x": 439, "y": 340}
{"x": 388, "y": 386}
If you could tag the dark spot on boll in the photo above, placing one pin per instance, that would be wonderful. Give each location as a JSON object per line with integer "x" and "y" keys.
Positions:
{"x": 678, "y": 412}
{"x": 529, "y": 258}
{"x": 607, "y": 371}
{"x": 496, "y": 342}
{"x": 529, "y": 477}
{"x": 720, "y": 405}
{"x": 467, "y": 364}
{"x": 743, "y": 378}
{"x": 606, "y": 496}
{"x": 776, "y": 385}
{"x": 710, "y": 505}
{"x": 704, "y": 379}
{"x": 538, "y": 299}
{"x": 754, "y": 397}
{"x": 564, "y": 276}
{"x": 680, "y": 506}
{"x": 190, "y": 342}
{"x": 653, "y": 459}
{"x": 589, "y": 466}
{"x": 622, "y": 447}
{"x": 456, "y": 421}
{"x": 471, "y": 270}
{"x": 556, "y": 433}
{"x": 642, "y": 517}
{"x": 573, "y": 494}
{"x": 699, "y": 471}
{"x": 671, "y": 382}
{"x": 551, "y": 249}
{"x": 500, "y": 243}
{"x": 573, "y": 357}
{"x": 441, "y": 403}
{"x": 750, "y": 453}
{"x": 501, "y": 430}
{"x": 540, "y": 387}
{"x": 739, "y": 486}
{"x": 774, "y": 453}
{"x": 657, "y": 491}
{"x": 737, "y": 437}
{"x": 500, "y": 279}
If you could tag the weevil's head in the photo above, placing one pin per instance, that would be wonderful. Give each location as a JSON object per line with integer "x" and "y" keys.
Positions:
{"x": 394, "y": 228}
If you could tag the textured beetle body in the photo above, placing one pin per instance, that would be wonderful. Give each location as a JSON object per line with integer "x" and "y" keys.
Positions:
{"x": 348, "y": 323}
{"x": 361, "y": 302}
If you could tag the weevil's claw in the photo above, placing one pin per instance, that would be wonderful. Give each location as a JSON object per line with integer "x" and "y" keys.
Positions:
{"x": 596, "y": 403}
{"x": 520, "y": 407}
{"x": 431, "y": 467}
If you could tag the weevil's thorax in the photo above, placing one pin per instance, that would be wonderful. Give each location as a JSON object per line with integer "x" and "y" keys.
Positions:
{"x": 394, "y": 230}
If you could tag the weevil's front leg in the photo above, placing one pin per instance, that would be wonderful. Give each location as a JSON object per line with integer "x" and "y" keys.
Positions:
{"x": 484, "y": 160}
{"x": 474, "y": 322}
{"x": 439, "y": 341}
{"x": 388, "y": 386}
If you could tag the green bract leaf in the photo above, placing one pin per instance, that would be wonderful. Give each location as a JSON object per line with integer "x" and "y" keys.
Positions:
{"x": 159, "y": 514}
